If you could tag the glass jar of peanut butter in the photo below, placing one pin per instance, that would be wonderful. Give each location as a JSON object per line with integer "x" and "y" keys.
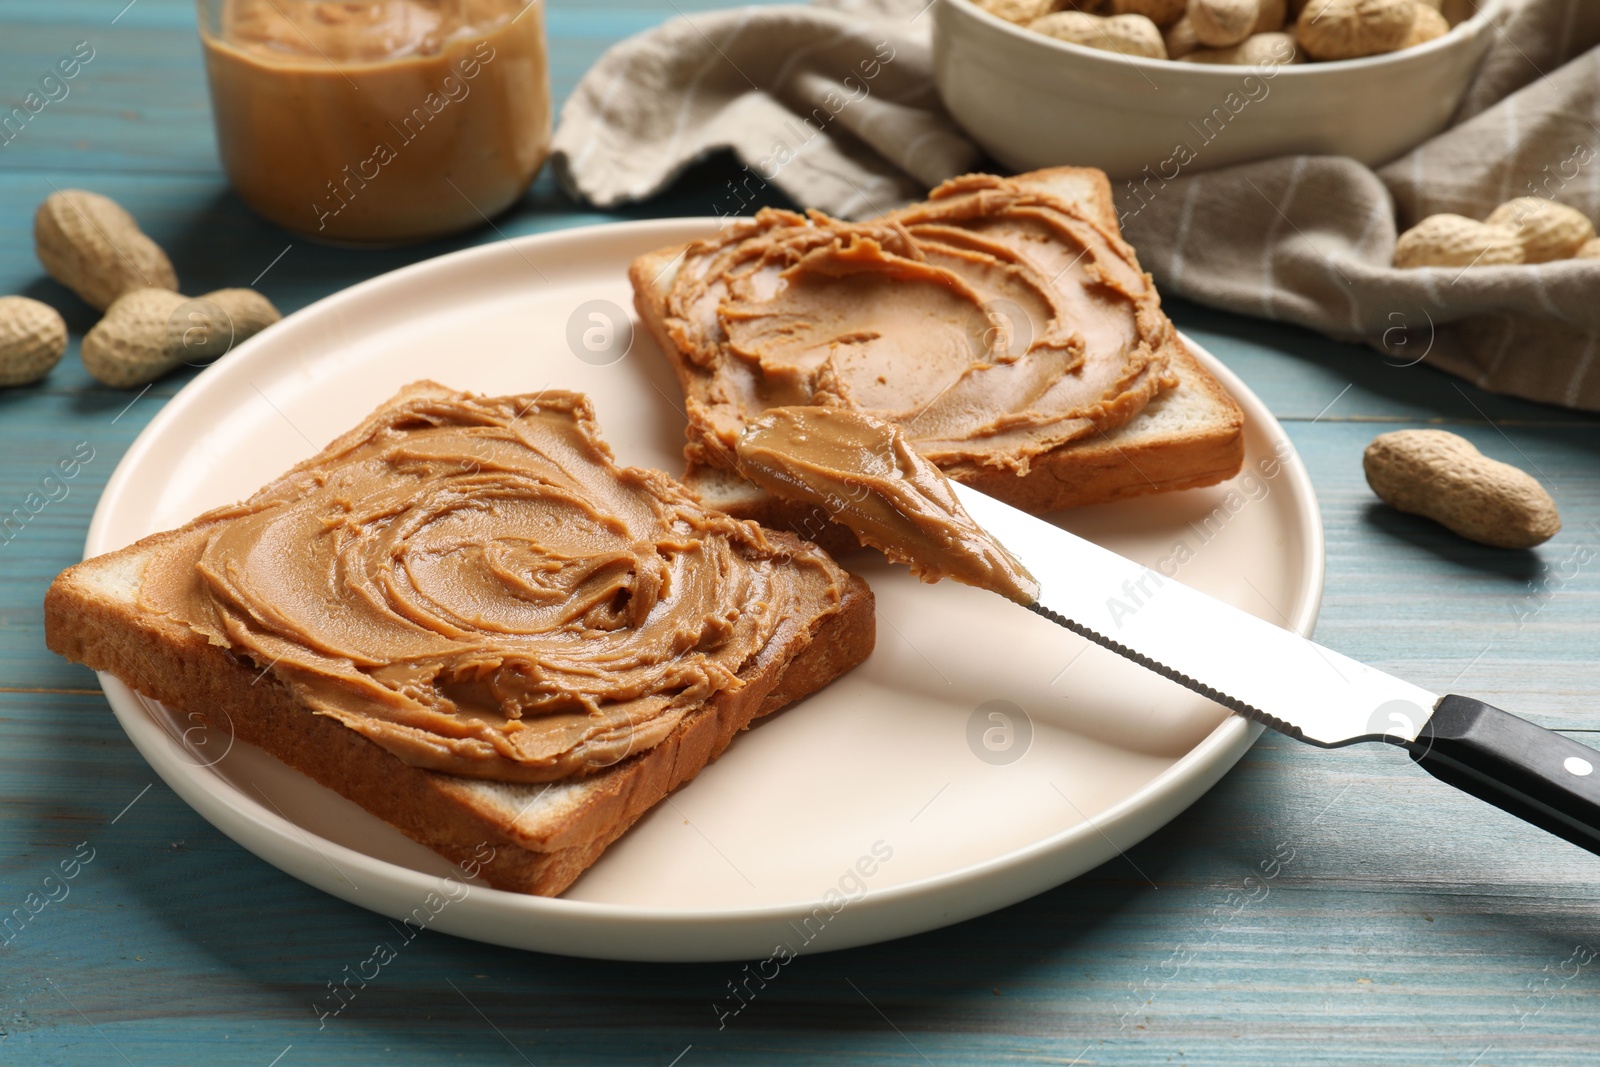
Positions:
{"x": 380, "y": 122}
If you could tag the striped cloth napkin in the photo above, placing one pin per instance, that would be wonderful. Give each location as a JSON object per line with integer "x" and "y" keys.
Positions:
{"x": 795, "y": 93}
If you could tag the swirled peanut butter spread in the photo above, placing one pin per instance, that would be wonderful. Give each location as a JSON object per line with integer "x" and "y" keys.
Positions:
{"x": 473, "y": 584}
{"x": 868, "y": 477}
{"x": 992, "y": 323}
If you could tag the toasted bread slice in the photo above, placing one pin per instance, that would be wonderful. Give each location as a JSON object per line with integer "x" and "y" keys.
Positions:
{"x": 1188, "y": 436}
{"x": 542, "y": 836}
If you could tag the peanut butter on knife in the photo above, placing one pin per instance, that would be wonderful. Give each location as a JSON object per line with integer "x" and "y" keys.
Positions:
{"x": 868, "y": 477}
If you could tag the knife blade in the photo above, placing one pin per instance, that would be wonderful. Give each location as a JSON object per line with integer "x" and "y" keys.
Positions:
{"x": 1293, "y": 684}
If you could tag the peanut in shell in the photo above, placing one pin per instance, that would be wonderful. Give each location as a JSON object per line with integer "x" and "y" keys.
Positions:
{"x": 1443, "y": 477}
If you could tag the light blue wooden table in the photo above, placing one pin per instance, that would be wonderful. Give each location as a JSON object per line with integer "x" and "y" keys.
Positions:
{"x": 1410, "y": 925}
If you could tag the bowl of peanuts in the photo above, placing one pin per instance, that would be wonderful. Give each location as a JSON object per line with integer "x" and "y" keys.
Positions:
{"x": 1150, "y": 89}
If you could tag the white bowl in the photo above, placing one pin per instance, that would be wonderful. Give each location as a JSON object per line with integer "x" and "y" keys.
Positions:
{"x": 1032, "y": 101}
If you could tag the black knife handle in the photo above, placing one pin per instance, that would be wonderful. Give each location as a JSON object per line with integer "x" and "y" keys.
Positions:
{"x": 1537, "y": 775}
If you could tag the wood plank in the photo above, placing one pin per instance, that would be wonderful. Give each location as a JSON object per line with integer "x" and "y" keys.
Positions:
{"x": 138, "y": 104}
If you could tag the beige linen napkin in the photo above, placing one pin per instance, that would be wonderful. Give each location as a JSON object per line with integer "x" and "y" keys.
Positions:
{"x": 795, "y": 93}
{"x": 1310, "y": 239}
{"x": 834, "y": 104}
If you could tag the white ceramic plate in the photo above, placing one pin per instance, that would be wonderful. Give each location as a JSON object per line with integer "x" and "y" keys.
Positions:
{"x": 864, "y": 813}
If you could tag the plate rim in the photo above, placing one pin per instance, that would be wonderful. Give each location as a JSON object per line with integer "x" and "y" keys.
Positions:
{"x": 211, "y": 796}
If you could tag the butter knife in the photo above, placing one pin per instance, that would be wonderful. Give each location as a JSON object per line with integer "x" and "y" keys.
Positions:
{"x": 1294, "y": 685}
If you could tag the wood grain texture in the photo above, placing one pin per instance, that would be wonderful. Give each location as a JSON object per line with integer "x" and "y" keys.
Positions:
{"x": 1401, "y": 923}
